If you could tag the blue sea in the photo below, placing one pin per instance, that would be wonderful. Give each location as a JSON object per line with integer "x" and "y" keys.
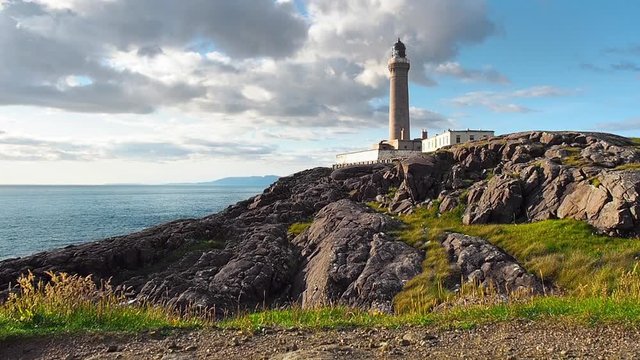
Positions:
{"x": 37, "y": 218}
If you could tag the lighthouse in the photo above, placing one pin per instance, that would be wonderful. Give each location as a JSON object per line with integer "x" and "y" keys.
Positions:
{"x": 399, "y": 123}
{"x": 400, "y": 145}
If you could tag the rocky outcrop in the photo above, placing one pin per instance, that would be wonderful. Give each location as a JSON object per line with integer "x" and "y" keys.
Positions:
{"x": 485, "y": 264}
{"x": 348, "y": 259}
{"x": 243, "y": 257}
{"x": 531, "y": 176}
{"x": 498, "y": 200}
{"x": 237, "y": 259}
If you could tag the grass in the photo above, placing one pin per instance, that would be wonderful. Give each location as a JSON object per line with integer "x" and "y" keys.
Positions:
{"x": 574, "y": 158}
{"x": 599, "y": 278}
{"x": 566, "y": 252}
{"x": 583, "y": 310}
{"x": 298, "y": 228}
{"x": 629, "y": 166}
{"x": 69, "y": 304}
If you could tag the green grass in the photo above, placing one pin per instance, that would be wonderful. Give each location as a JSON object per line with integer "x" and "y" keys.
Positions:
{"x": 583, "y": 310}
{"x": 298, "y": 228}
{"x": 70, "y": 304}
{"x": 635, "y": 141}
{"x": 599, "y": 278}
{"x": 566, "y": 252}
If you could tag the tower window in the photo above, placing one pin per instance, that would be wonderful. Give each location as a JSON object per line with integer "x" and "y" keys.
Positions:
{"x": 472, "y": 137}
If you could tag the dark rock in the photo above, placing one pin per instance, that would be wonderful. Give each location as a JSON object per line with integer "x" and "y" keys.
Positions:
{"x": 485, "y": 264}
{"x": 448, "y": 203}
{"x": 501, "y": 201}
{"x": 347, "y": 259}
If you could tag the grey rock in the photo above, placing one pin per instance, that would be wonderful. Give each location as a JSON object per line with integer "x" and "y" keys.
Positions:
{"x": 501, "y": 201}
{"x": 347, "y": 259}
{"x": 481, "y": 262}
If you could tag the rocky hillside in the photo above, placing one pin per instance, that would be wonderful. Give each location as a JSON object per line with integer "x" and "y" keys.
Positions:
{"x": 244, "y": 257}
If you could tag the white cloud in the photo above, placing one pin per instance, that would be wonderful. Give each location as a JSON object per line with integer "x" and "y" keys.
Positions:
{"x": 502, "y": 102}
{"x": 159, "y": 77}
{"x": 454, "y": 69}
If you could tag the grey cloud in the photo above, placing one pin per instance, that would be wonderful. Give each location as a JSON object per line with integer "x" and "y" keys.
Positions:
{"x": 18, "y": 148}
{"x": 148, "y": 151}
{"x": 31, "y": 74}
{"x": 241, "y": 28}
{"x": 433, "y": 30}
{"x": 44, "y": 46}
{"x": 34, "y": 149}
{"x": 629, "y": 124}
{"x": 150, "y": 51}
{"x": 314, "y": 76}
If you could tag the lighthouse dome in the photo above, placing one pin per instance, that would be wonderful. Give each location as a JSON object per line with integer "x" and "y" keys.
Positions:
{"x": 399, "y": 50}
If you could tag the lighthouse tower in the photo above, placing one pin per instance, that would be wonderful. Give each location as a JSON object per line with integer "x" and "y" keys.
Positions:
{"x": 399, "y": 124}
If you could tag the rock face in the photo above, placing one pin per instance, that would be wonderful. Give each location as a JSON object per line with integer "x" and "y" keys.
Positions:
{"x": 483, "y": 263}
{"x": 533, "y": 176}
{"x": 499, "y": 200}
{"x": 348, "y": 259}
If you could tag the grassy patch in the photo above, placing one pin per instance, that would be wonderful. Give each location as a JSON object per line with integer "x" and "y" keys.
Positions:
{"x": 574, "y": 158}
{"x": 70, "y": 304}
{"x": 585, "y": 310}
{"x": 567, "y": 252}
{"x": 298, "y": 228}
{"x": 629, "y": 166}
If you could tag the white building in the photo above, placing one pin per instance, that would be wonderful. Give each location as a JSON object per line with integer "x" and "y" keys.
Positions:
{"x": 452, "y": 137}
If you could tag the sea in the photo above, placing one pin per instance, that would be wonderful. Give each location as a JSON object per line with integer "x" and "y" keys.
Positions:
{"x": 38, "y": 218}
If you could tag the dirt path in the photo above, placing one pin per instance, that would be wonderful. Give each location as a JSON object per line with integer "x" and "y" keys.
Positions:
{"x": 514, "y": 340}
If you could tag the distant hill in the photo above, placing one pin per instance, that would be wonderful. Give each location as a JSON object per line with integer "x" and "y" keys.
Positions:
{"x": 257, "y": 181}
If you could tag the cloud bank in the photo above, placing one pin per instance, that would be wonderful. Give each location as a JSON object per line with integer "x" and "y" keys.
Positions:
{"x": 243, "y": 63}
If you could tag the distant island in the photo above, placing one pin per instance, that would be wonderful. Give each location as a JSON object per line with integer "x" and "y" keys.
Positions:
{"x": 249, "y": 181}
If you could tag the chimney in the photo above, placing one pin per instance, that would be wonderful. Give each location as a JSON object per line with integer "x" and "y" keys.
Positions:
{"x": 425, "y": 134}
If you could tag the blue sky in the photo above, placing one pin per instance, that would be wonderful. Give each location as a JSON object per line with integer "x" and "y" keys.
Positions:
{"x": 193, "y": 91}
{"x": 552, "y": 43}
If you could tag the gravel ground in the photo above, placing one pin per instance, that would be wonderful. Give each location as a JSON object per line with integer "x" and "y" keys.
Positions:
{"x": 515, "y": 340}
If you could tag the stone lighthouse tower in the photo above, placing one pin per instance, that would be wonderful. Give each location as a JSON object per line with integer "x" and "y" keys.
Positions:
{"x": 399, "y": 124}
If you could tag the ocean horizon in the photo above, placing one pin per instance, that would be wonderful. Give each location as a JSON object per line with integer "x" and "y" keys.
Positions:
{"x": 35, "y": 218}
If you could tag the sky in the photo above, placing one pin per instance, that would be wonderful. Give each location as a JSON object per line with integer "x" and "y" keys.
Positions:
{"x": 161, "y": 91}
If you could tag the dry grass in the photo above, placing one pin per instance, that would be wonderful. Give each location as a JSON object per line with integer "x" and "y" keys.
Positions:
{"x": 298, "y": 228}
{"x": 629, "y": 166}
{"x": 70, "y": 303}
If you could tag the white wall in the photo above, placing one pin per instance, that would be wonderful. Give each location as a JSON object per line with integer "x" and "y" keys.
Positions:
{"x": 451, "y": 138}
{"x": 373, "y": 156}
{"x": 357, "y": 157}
